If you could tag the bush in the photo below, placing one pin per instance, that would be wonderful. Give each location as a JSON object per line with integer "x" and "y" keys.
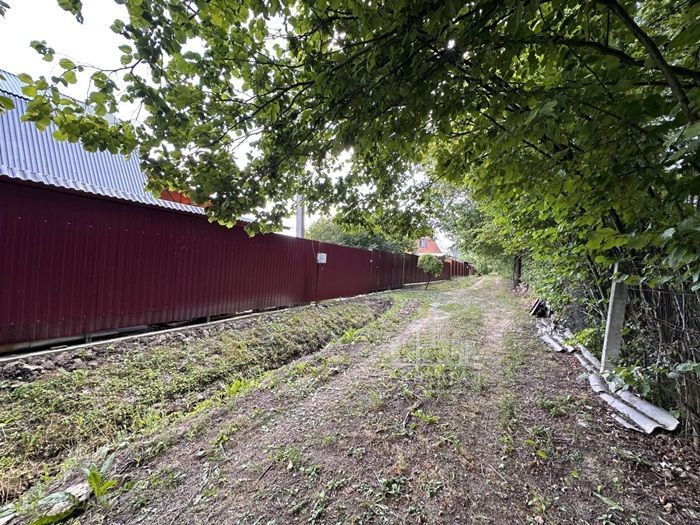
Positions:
{"x": 430, "y": 265}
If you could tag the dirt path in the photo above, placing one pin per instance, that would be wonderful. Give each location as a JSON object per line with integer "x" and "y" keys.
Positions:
{"x": 446, "y": 410}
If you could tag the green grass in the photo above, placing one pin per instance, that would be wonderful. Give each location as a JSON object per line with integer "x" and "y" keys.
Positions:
{"x": 44, "y": 422}
{"x": 437, "y": 366}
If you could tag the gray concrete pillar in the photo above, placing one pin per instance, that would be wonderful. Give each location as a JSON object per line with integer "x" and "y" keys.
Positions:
{"x": 614, "y": 325}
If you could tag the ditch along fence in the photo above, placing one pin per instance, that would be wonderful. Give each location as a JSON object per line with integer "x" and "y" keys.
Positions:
{"x": 73, "y": 264}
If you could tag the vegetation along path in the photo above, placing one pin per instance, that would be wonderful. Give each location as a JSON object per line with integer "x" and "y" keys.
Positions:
{"x": 444, "y": 409}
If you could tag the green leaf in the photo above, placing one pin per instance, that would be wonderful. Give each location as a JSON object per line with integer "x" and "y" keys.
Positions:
{"x": 691, "y": 131}
{"x": 69, "y": 76}
{"x": 6, "y": 103}
{"x": 66, "y": 63}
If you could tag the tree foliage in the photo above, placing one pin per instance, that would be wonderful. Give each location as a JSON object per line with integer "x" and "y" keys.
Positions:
{"x": 577, "y": 122}
{"x": 327, "y": 229}
{"x": 430, "y": 265}
{"x": 472, "y": 229}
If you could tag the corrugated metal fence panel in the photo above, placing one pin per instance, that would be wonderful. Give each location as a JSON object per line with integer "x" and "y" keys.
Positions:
{"x": 410, "y": 269}
{"x": 386, "y": 268}
{"x": 397, "y": 275}
{"x": 445, "y": 272}
{"x": 75, "y": 264}
{"x": 458, "y": 268}
{"x": 346, "y": 272}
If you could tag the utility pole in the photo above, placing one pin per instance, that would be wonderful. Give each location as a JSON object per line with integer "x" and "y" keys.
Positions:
{"x": 300, "y": 217}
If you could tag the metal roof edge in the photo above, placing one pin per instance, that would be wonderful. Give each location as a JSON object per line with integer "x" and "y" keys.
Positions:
{"x": 89, "y": 189}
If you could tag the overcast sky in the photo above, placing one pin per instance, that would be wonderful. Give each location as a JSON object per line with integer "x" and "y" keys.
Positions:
{"x": 91, "y": 42}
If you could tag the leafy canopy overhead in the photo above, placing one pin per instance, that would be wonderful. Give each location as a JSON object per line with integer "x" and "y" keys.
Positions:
{"x": 576, "y": 121}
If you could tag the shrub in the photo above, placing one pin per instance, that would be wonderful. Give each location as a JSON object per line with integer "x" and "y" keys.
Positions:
{"x": 430, "y": 265}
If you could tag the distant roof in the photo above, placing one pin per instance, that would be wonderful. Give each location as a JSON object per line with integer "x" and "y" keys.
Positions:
{"x": 32, "y": 155}
{"x": 430, "y": 246}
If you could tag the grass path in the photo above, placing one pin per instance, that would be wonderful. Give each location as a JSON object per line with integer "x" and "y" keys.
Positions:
{"x": 447, "y": 409}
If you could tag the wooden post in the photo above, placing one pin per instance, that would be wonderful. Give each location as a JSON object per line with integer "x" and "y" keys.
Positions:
{"x": 614, "y": 325}
{"x": 517, "y": 270}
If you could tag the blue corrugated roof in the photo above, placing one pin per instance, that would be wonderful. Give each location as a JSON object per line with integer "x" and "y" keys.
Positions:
{"x": 10, "y": 84}
{"x": 32, "y": 155}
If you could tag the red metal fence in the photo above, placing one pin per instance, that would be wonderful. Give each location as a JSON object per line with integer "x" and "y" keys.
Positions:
{"x": 72, "y": 265}
{"x": 460, "y": 268}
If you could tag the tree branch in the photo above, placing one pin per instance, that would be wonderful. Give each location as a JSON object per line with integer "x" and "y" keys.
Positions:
{"x": 656, "y": 56}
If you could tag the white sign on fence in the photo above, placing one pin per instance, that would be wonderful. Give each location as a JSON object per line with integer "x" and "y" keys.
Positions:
{"x": 321, "y": 258}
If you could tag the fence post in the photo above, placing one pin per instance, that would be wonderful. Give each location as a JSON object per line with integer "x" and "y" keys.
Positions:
{"x": 614, "y": 325}
{"x": 403, "y": 269}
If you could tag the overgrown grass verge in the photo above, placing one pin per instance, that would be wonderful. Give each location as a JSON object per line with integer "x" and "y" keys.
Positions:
{"x": 304, "y": 376}
{"x": 44, "y": 422}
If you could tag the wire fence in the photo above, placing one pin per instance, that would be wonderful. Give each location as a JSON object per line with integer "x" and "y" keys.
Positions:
{"x": 661, "y": 349}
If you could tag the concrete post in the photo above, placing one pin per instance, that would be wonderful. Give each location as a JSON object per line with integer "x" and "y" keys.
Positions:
{"x": 614, "y": 325}
{"x": 300, "y": 217}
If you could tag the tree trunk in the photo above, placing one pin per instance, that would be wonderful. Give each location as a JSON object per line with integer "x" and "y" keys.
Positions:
{"x": 517, "y": 270}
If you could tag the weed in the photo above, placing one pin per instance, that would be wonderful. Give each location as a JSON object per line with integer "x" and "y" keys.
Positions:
{"x": 376, "y": 400}
{"x": 166, "y": 478}
{"x": 506, "y": 411}
{"x": 539, "y": 502}
{"x": 507, "y": 444}
{"x": 507, "y": 418}
{"x": 328, "y": 440}
{"x": 225, "y": 435}
{"x": 319, "y": 506}
{"x": 432, "y": 488}
{"x": 400, "y": 463}
{"x": 540, "y": 441}
{"x": 293, "y": 459}
{"x": 437, "y": 365}
{"x": 356, "y": 452}
{"x": 391, "y": 487}
{"x": 514, "y": 357}
{"x": 99, "y": 483}
{"x": 612, "y": 504}
{"x": 151, "y": 451}
{"x": 450, "y": 438}
{"x": 428, "y": 419}
{"x": 576, "y": 456}
{"x": 628, "y": 455}
{"x": 240, "y": 385}
{"x": 480, "y": 383}
{"x": 321, "y": 500}
{"x": 348, "y": 336}
{"x": 97, "y": 478}
{"x": 556, "y": 406}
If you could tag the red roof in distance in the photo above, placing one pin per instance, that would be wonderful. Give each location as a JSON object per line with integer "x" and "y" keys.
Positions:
{"x": 428, "y": 245}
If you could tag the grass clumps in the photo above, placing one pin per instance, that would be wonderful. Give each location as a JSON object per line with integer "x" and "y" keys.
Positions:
{"x": 140, "y": 387}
